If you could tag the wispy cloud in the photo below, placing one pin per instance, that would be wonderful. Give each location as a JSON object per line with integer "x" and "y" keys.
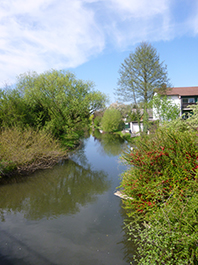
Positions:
{"x": 43, "y": 34}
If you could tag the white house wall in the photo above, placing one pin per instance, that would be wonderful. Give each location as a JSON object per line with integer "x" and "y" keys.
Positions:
{"x": 175, "y": 100}
{"x": 134, "y": 127}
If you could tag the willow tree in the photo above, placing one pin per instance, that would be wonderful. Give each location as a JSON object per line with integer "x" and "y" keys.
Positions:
{"x": 62, "y": 104}
{"x": 141, "y": 75}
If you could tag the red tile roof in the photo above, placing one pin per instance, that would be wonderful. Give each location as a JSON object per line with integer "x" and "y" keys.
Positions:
{"x": 183, "y": 91}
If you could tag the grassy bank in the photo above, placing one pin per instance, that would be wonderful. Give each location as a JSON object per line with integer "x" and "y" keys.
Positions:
{"x": 24, "y": 151}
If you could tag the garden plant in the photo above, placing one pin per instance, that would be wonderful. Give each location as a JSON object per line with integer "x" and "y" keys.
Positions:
{"x": 161, "y": 185}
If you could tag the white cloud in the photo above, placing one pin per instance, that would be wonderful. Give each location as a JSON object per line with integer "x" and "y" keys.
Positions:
{"x": 193, "y": 20}
{"x": 141, "y": 9}
{"x": 38, "y": 35}
{"x": 43, "y": 34}
{"x": 138, "y": 20}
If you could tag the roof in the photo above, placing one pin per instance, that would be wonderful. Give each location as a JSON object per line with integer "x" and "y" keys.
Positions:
{"x": 183, "y": 91}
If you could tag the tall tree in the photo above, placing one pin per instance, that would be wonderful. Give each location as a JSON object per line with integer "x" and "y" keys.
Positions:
{"x": 141, "y": 75}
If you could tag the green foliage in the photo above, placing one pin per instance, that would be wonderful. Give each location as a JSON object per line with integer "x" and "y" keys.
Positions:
{"x": 192, "y": 121}
{"x": 141, "y": 74}
{"x": 134, "y": 115}
{"x": 182, "y": 125}
{"x": 171, "y": 236}
{"x": 63, "y": 104}
{"x": 112, "y": 120}
{"x": 54, "y": 101}
{"x": 164, "y": 108}
{"x": 13, "y": 109}
{"x": 97, "y": 121}
{"x": 160, "y": 164}
{"x": 162, "y": 186}
{"x": 27, "y": 150}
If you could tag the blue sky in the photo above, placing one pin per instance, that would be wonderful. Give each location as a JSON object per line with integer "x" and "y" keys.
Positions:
{"x": 93, "y": 37}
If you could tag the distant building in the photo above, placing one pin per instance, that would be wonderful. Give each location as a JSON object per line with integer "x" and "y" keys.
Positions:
{"x": 184, "y": 97}
{"x": 133, "y": 126}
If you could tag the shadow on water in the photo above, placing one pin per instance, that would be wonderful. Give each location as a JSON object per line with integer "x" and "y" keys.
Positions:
{"x": 128, "y": 246}
{"x": 20, "y": 244}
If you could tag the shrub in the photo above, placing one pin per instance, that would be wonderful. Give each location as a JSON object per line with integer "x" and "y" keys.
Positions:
{"x": 160, "y": 165}
{"x": 97, "y": 121}
{"x": 162, "y": 182}
{"x": 171, "y": 236}
{"x": 112, "y": 120}
{"x": 27, "y": 150}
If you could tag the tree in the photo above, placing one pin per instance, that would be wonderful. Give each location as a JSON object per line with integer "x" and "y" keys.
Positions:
{"x": 164, "y": 109}
{"x": 141, "y": 75}
{"x": 13, "y": 110}
{"x": 112, "y": 120}
{"x": 62, "y": 104}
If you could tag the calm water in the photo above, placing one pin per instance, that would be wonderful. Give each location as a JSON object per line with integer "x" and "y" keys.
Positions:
{"x": 68, "y": 214}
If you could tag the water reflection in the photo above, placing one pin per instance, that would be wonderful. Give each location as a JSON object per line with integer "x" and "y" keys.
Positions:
{"x": 60, "y": 190}
{"x": 112, "y": 144}
{"x": 128, "y": 241}
{"x": 68, "y": 214}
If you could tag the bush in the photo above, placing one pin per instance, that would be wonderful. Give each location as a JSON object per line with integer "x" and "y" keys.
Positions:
{"x": 97, "y": 121}
{"x": 162, "y": 182}
{"x": 161, "y": 164}
{"x": 112, "y": 121}
{"x": 171, "y": 236}
{"x": 27, "y": 150}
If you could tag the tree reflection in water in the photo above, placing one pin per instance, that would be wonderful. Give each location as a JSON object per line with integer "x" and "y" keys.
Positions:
{"x": 65, "y": 190}
{"x": 112, "y": 144}
{"x": 129, "y": 246}
{"x": 61, "y": 190}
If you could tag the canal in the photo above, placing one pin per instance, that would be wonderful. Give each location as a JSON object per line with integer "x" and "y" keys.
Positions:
{"x": 68, "y": 214}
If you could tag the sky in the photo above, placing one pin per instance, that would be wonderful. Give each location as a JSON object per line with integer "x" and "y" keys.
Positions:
{"x": 92, "y": 38}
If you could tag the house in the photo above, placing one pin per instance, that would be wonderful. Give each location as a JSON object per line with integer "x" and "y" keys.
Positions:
{"x": 133, "y": 126}
{"x": 184, "y": 97}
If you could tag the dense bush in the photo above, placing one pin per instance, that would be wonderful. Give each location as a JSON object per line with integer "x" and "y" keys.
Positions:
{"x": 23, "y": 151}
{"x": 112, "y": 120}
{"x": 97, "y": 121}
{"x": 171, "y": 235}
{"x": 162, "y": 183}
{"x": 160, "y": 163}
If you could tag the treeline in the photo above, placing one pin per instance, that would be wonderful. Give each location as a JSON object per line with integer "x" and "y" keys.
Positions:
{"x": 54, "y": 104}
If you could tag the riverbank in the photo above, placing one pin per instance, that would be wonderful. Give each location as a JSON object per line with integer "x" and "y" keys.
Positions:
{"x": 24, "y": 151}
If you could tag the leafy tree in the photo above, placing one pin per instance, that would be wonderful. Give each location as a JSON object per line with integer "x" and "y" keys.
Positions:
{"x": 164, "y": 108}
{"x": 62, "y": 103}
{"x": 112, "y": 120}
{"x": 13, "y": 109}
{"x": 141, "y": 75}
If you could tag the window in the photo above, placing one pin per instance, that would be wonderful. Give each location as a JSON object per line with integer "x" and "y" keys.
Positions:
{"x": 188, "y": 100}
{"x": 191, "y": 100}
